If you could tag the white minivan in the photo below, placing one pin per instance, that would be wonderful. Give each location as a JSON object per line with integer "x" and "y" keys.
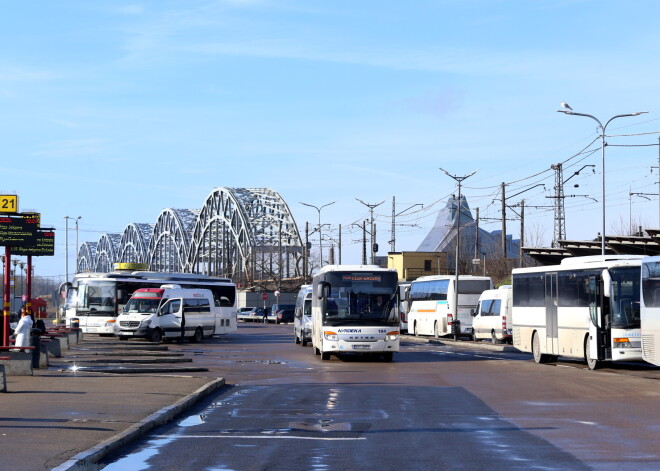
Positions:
{"x": 492, "y": 318}
{"x": 302, "y": 316}
{"x": 157, "y": 313}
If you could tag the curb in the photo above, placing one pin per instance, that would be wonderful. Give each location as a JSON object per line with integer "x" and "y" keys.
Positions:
{"x": 88, "y": 460}
{"x": 462, "y": 344}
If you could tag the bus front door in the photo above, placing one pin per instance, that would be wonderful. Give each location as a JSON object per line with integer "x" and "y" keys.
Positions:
{"x": 599, "y": 348}
{"x": 551, "y": 327}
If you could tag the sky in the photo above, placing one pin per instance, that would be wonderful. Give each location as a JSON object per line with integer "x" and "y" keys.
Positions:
{"x": 114, "y": 111}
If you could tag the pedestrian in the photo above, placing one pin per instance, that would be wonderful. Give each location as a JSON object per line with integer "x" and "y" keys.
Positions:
{"x": 183, "y": 325}
{"x": 264, "y": 320}
{"x": 22, "y": 331}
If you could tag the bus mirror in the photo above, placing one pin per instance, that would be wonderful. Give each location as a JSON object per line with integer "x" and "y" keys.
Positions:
{"x": 473, "y": 312}
{"x": 322, "y": 289}
{"x": 607, "y": 283}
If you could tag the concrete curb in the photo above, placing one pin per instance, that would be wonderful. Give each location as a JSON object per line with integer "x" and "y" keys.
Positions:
{"x": 88, "y": 460}
{"x": 462, "y": 343}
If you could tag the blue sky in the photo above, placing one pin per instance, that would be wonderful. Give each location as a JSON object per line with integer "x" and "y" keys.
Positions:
{"x": 114, "y": 111}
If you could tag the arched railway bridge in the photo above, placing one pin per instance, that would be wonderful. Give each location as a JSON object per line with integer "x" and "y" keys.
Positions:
{"x": 247, "y": 234}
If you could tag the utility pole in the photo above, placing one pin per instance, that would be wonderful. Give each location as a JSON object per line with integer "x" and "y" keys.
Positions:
{"x": 503, "y": 221}
{"x": 459, "y": 180}
{"x": 522, "y": 232}
{"x": 560, "y": 219}
{"x": 393, "y": 241}
{"x": 306, "y": 253}
{"x": 364, "y": 242}
{"x": 371, "y": 211}
{"x": 476, "y": 236}
{"x": 340, "y": 244}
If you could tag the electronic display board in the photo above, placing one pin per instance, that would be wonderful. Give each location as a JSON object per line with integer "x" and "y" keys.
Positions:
{"x": 18, "y": 230}
{"x": 44, "y": 244}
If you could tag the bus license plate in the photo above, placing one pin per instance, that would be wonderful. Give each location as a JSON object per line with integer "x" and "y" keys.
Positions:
{"x": 91, "y": 329}
{"x": 361, "y": 347}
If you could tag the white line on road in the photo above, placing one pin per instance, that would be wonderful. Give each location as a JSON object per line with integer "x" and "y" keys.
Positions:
{"x": 262, "y": 437}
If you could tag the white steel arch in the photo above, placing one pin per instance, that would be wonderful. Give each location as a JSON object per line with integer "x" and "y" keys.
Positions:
{"x": 106, "y": 252}
{"x": 134, "y": 244}
{"x": 247, "y": 234}
{"x": 86, "y": 257}
{"x": 170, "y": 241}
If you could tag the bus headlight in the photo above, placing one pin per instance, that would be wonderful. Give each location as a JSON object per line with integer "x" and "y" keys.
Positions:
{"x": 392, "y": 335}
{"x": 110, "y": 323}
{"x": 621, "y": 342}
{"x": 329, "y": 335}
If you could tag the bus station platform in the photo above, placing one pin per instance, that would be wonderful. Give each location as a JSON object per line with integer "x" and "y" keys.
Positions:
{"x": 65, "y": 419}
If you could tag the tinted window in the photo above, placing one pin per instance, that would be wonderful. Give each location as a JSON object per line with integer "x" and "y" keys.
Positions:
{"x": 529, "y": 289}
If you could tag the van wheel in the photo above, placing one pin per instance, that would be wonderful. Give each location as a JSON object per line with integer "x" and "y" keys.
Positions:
{"x": 123, "y": 337}
{"x": 325, "y": 356}
{"x": 536, "y": 350}
{"x": 303, "y": 342}
{"x": 199, "y": 335}
{"x": 156, "y": 336}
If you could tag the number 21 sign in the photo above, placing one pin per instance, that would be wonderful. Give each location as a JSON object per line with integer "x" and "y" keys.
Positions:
{"x": 8, "y": 203}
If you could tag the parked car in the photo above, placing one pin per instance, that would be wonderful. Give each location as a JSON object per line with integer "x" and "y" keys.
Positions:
{"x": 250, "y": 314}
{"x": 281, "y": 313}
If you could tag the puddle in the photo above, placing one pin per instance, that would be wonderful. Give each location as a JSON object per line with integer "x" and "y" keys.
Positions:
{"x": 265, "y": 362}
{"x": 193, "y": 420}
{"x": 138, "y": 461}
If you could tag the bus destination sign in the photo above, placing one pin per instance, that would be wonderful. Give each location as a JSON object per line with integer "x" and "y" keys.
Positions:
{"x": 44, "y": 245}
{"x": 18, "y": 230}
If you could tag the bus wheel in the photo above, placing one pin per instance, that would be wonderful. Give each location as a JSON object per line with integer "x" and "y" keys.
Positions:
{"x": 387, "y": 356}
{"x": 536, "y": 350}
{"x": 199, "y": 335}
{"x": 591, "y": 363}
{"x": 325, "y": 356}
{"x": 156, "y": 336}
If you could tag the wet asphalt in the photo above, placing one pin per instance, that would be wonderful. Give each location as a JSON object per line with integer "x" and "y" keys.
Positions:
{"x": 437, "y": 406}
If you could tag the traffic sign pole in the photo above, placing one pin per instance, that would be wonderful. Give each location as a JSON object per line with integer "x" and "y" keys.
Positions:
{"x": 6, "y": 299}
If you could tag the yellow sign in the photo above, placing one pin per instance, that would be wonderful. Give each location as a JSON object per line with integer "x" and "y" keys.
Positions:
{"x": 131, "y": 266}
{"x": 8, "y": 203}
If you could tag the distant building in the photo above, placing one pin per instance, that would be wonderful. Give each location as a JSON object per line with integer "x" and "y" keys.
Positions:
{"x": 442, "y": 237}
{"x": 412, "y": 265}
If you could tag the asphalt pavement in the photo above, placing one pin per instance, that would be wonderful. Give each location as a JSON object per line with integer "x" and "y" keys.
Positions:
{"x": 69, "y": 415}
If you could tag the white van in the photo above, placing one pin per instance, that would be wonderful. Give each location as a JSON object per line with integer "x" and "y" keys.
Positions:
{"x": 156, "y": 313}
{"x": 492, "y": 318}
{"x": 302, "y": 316}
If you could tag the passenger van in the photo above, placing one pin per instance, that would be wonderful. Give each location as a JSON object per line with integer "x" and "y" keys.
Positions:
{"x": 492, "y": 318}
{"x": 302, "y": 316}
{"x": 156, "y": 313}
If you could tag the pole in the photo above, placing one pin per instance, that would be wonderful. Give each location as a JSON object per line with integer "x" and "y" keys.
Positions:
{"x": 306, "y": 253}
{"x": 371, "y": 212}
{"x": 522, "y": 232}
{"x": 459, "y": 180}
{"x": 6, "y": 305}
{"x": 318, "y": 209}
{"x": 28, "y": 283}
{"x": 393, "y": 241}
{"x": 364, "y": 242}
{"x": 340, "y": 244}
{"x": 476, "y": 236}
{"x": 503, "y": 221}
{"x": 77, "y": 219}
{"x": 602, "y": 140}
{"x": 66, "y": 249}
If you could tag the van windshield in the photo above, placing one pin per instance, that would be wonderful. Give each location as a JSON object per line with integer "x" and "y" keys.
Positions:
{"x": 142, "y": 306}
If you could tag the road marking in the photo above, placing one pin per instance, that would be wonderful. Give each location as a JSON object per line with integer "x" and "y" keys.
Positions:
{"x": 266, "y": 437}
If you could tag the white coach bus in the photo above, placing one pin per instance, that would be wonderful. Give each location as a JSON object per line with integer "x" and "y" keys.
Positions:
{"x": 586, "y": 307}
{"x": 355, "y": 309}
{"x": 650, "y": 315}
{"x": 432, "y": 302}
{"x": 95, "y": 300}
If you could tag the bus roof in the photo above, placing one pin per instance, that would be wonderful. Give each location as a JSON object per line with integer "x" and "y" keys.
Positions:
{"x": 591, "y": 261}
{"x": 367, "y": 268}
{"x": 152, "y": 275}
{"x": 452, "y": 277}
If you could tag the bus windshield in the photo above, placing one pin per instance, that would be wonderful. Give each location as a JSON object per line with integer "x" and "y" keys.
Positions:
{"x": 96, "y": 298}
{"x": 625, "y": 297}
{"x": 364, "y": 298}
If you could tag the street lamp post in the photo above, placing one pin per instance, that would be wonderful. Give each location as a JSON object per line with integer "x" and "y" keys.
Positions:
{"x": 568, "y": 110}
{"x": 66, "y": 245}
{"x": 371, "y": 211}
{"x": 77, "y": 219}
{"x": 459, "y": 180}
{"x": 318, "y": 209}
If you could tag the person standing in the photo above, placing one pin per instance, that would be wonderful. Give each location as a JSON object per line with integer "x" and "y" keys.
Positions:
{"x": 23, "y": 328}
{"x": 183, "y": 324}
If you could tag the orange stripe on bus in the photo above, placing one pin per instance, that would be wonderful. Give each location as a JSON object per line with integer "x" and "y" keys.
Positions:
{"x": 425, "y": 310}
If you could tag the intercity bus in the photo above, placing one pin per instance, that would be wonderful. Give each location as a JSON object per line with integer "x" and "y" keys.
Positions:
{"x": 586, "y": 307}
{"x": 355, "y": 309}
{"x": 95, "y": 300}
{"x": 432, "y": 302}
{"x": 650, "y": 315}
